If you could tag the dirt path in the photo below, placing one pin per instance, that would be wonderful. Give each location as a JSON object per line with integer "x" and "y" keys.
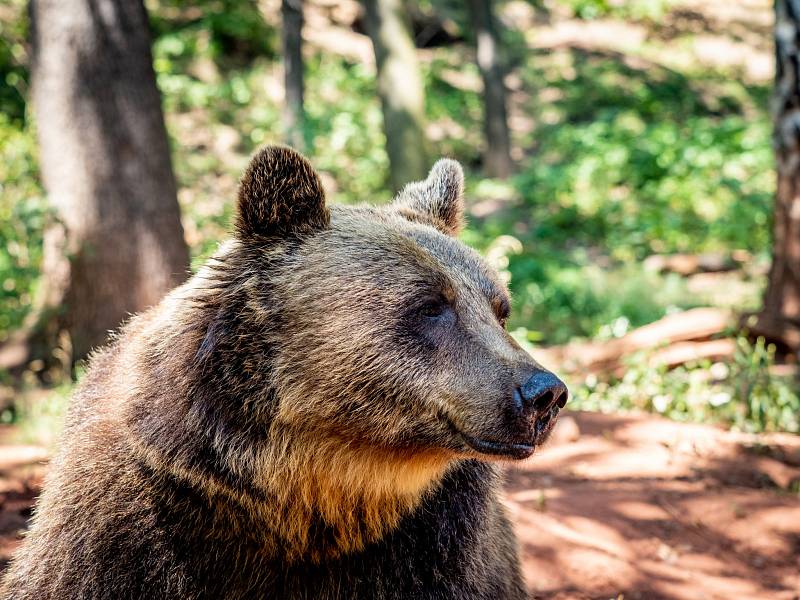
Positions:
{"x": 642, "y": 507}
{"x": 632, "y": 507}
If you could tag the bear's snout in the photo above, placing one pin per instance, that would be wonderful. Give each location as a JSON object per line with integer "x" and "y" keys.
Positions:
{"x": 541, "y": 393}
{"x": 525, "y": 418}
{"x": 536, "y": 404}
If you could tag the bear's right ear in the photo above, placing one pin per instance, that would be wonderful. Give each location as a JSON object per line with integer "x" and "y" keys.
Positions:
{"x": 280, "y": 194}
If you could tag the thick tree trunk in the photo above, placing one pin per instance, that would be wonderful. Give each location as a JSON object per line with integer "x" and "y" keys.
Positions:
{"x": 779, "y": 319}
{"x": 293, "y": 116}
{"x": 105, "y": 164}
{"x": 497, "y": 154}
{"x": 400, "y": 89}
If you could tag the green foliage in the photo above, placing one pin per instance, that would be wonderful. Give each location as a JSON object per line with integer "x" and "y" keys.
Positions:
{"x": 627, "y": 162}
{"x": 761, "y": 400}
{"x": 231, "y": 32}
{"x": 22, "y": 216}
{"x": 13, "y": 73}
{"x": 637, "y": 9}
{"x": 743, "y": 393}
{"x": 343, "y": 127}
{"x": 563, "y": 299}
{"x": 457, "y": 111}
{"x": 344, "y": 121}
{"x": 637, "y": 161}
{"x": 666, "y": 186}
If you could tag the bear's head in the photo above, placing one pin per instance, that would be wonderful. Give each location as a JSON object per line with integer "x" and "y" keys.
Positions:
{"x": 388, "y": 331}
{"x": 331, "y": 364}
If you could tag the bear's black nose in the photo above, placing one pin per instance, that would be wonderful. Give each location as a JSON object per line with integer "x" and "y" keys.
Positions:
{"x": 542, "y": 392}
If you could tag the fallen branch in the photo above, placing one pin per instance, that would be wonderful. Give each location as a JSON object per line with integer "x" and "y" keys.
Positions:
{"x": 686, "y": 336}
{"x": 685, "y": 352}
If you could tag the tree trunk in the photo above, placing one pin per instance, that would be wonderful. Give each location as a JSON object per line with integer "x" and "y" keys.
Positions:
{"x": 400, "y": 89}
{"x": 779, "y": 319}
{"x": 293, "y": 115}
{"x": 118, "y": 245}
{"x": 497, "y": 154}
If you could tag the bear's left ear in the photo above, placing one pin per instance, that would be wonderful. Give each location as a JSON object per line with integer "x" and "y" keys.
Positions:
{"x": 437, "y": 201}
{"x": 280, "y": 194}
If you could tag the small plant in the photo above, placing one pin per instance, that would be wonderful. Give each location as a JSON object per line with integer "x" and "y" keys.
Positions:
{"x": 763, "y": 401}
{"x": 744, "y": 392}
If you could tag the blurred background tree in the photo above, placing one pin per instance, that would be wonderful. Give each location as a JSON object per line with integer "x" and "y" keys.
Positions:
{"x": 497, "y": 153}
{"x": 292, "y": 46}
{"x": 400, "y": 90}
{"x": 779, "y": 318}
{"x": 115, "y": 245}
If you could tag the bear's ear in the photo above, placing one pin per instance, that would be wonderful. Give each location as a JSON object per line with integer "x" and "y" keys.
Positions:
{"x": 439, "y": 200}
{"x": 280, "y": 194}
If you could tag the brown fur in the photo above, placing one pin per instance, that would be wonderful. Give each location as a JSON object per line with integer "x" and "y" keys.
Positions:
{"x": 277, "y": 193}
{"x": 296, "y": 420}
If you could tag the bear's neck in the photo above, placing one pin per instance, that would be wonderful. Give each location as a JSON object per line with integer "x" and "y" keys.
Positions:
{"x": 328, "y": 497}
{"x": 298, "y": 497}
{"x": 306, "y": 494}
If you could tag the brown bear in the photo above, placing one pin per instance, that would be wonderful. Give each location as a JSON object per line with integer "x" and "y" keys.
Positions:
{"x": 318, "y": 413}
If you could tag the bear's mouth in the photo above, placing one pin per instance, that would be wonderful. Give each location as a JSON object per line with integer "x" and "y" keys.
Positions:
{"x": 495, "y": 448}
{"x": 503, "y": 449}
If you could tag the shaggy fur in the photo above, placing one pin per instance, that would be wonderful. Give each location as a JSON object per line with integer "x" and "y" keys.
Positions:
{"x": 298, "y": 420}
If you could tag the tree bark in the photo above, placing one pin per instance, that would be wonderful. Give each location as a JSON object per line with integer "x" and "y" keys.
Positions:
{"x": 292, "y": 40}
{"x": 118, "y": 243}
{"x": 497, "y": 154}
{"x": 779, "y": 319}
{"x": 400, "y": 90}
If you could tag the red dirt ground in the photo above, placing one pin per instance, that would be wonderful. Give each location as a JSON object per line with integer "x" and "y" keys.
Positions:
{"x": 642, "y": 507}
{"x": 623, "y": 507}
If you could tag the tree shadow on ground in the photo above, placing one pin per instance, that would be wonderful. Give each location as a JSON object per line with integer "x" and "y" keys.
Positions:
{"x": 590, "y": 527}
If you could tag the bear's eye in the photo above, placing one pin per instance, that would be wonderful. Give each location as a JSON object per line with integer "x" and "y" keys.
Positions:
{"x": 432, "y": 308}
